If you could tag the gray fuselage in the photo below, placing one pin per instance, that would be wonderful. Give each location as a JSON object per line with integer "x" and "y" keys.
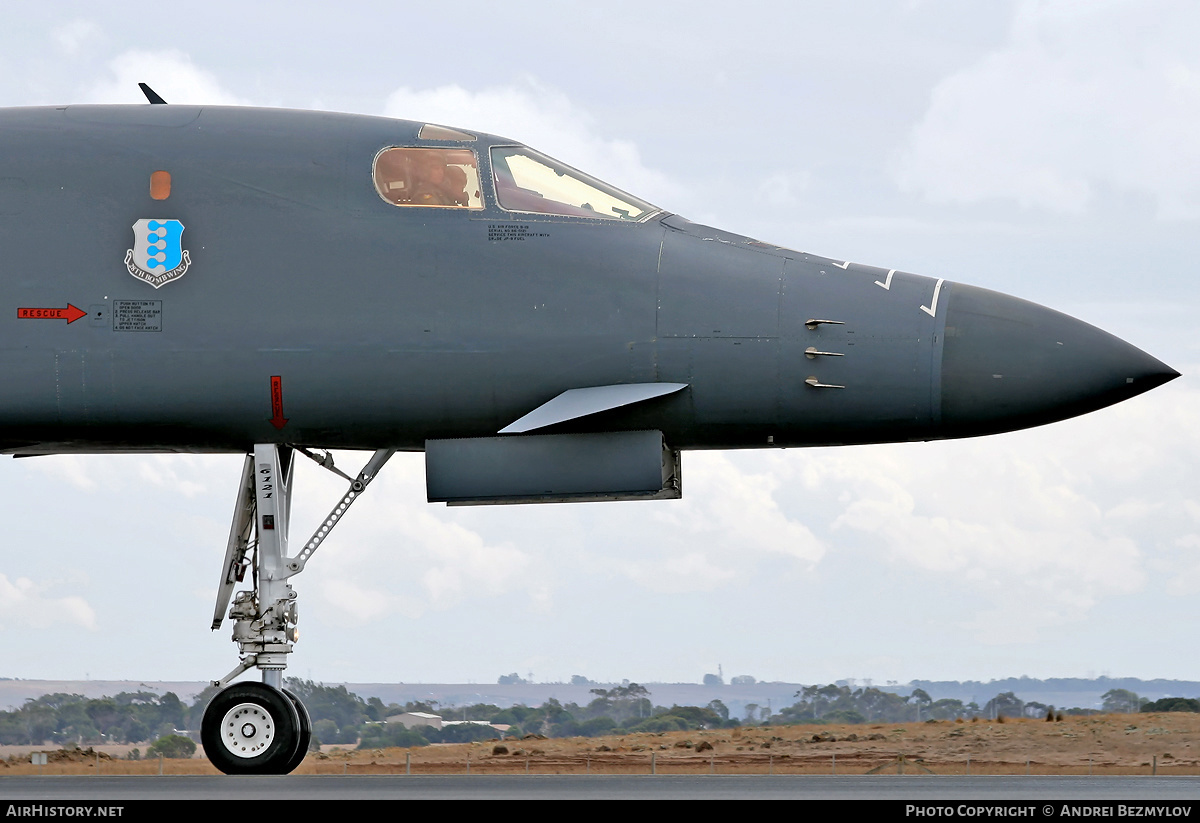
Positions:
{"x": 386, "y": 327}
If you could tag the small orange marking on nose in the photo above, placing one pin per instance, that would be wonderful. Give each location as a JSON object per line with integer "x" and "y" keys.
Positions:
{"x": 160, "y": 185}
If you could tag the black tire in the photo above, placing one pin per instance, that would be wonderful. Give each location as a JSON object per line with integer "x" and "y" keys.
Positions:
{"x": 305, "y": 733}
{"x": 250, "y": 728}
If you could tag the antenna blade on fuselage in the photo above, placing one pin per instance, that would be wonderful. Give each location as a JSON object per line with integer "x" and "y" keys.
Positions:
{"x": 151, "y": 94}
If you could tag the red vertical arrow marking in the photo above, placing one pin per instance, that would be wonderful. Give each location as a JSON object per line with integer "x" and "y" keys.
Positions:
{"x": 70, "y": 314}
{"x": 277, "y": 418}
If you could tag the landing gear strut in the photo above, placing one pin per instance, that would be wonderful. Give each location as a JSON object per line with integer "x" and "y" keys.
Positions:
{"x": 262, "y": 728}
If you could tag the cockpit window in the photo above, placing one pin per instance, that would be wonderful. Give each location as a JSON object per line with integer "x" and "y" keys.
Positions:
{"x": 439, "y": 178}
{"x": 529, "y": 181}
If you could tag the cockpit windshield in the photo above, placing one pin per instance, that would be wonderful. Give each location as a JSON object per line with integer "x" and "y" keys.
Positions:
{"x": 532, "y": 182}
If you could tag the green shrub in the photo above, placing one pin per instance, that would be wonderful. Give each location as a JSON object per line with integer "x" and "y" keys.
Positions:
{"x": 173, "y": 746}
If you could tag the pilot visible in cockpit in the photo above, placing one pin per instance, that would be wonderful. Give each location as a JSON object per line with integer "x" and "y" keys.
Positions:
{"x": 437, "y": 183}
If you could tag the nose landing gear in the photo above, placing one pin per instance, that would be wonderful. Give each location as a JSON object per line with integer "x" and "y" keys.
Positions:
{"x": 262, "y": 728}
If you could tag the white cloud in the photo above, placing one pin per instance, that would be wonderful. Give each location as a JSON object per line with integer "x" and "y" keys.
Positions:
{"x": 397, "y": 556}
{"x": 727, "y": 527}
{"x": 187, "y": 475}
{"x": 689, "y": 572}
{"x": 74, "y": 34}
{"x": 1184, "y": 566}
{"x": 542, "y": 118}
{"x": 75, "y": 469}
{"x": 736, "y": 513}
{"x": 782, "y": 188}
{"x": 458, "y": 560}
{"x": 1083, "y": 97}
{"x": 170, "y": 73}
{"x": 362, "y": 604}
{"x": 1036, "y": 527}
{"x": 25, "y": 603}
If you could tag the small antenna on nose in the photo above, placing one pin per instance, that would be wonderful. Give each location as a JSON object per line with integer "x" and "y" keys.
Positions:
{"x": 151, "y": 94}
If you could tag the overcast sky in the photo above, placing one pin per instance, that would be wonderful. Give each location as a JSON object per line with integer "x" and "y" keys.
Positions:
{"x": 1050, "y": 150}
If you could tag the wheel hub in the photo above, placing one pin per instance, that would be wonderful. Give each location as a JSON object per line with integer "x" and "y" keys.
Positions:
{"x": 247, "y": 729}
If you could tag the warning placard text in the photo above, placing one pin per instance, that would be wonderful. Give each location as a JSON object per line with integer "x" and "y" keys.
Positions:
{"x": 137, "y": 315}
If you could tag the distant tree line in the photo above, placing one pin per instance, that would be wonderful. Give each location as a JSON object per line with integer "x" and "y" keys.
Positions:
{"x": 1172, "y": 704}
{"x": 840, "y": 704}
{"x": 341, "y": 717}
{"x": 619, "y": 710}
{"x": 72, "y": 719}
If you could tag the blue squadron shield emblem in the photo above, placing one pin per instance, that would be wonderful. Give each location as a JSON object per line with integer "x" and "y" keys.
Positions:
{"x": 157, "y": 256}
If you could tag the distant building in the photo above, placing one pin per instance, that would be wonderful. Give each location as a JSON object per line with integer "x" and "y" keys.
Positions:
{"x": 411, "y": 720}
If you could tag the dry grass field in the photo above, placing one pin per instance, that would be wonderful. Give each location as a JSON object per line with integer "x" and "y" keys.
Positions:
{"x": 1103, "y": 744}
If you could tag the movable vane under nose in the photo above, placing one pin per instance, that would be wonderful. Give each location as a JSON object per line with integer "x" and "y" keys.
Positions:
{"x": 1008, "y": 364}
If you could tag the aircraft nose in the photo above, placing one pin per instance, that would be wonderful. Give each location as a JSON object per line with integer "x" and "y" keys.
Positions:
{"x": 1008, "y": 364}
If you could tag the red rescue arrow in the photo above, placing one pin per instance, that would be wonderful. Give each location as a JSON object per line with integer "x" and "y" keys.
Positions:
{"x": 70, "y": 314}
{"x": 277, "y": 418}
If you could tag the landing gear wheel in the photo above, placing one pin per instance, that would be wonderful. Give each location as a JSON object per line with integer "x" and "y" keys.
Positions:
{"x": 305, "y": 733}
{"x": 251, "y": 728}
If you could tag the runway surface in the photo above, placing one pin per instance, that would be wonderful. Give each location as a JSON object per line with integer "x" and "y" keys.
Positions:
{"x": 598, "y": 787}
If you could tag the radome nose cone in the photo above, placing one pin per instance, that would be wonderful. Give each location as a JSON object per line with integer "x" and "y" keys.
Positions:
{"x": 1008, "y": 364}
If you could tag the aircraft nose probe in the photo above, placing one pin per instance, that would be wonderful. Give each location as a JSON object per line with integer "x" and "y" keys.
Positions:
{"x": 1008, "y": 363}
